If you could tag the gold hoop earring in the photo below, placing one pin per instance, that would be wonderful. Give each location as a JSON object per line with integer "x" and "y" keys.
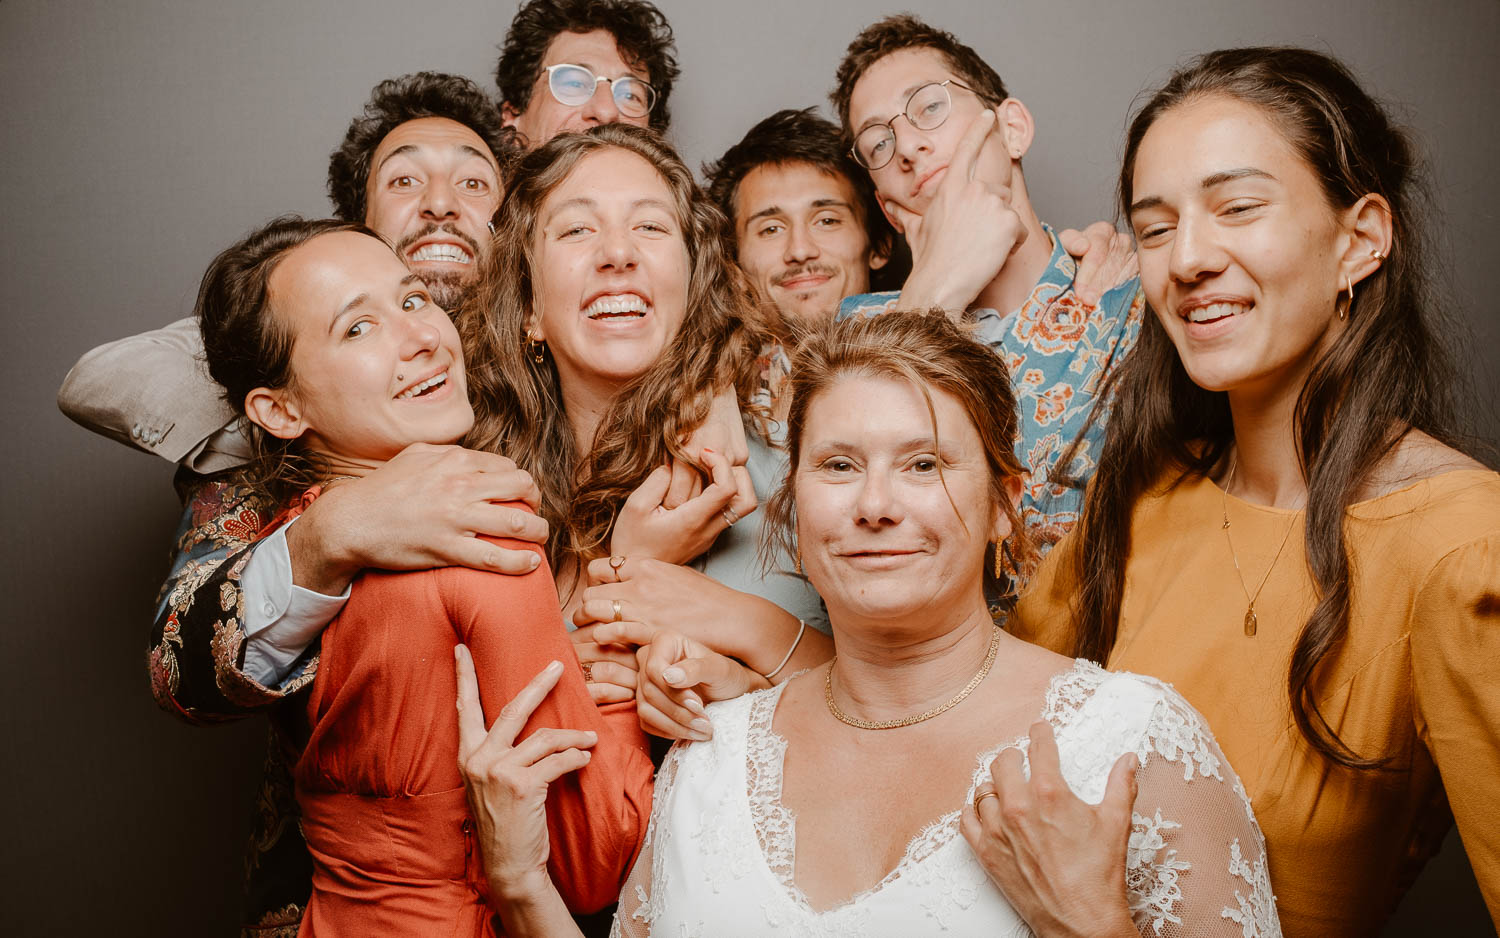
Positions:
{"x": 1349, "y": 287}
{"x": 538, "y": 348}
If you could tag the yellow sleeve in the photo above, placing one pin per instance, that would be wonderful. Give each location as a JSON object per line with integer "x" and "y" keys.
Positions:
{"x": 1044, "y": 613}
{"x": 1455, "y": 662}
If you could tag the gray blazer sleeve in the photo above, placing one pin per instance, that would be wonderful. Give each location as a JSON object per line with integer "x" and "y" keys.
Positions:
{"x": 152, "y": 392}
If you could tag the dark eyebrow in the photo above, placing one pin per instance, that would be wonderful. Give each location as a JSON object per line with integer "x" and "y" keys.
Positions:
{"x": 364, "y": 298}
{"x": 1217, "y": 179}
{"x": 770, "y": 210}
{"x": 464, "y": 148}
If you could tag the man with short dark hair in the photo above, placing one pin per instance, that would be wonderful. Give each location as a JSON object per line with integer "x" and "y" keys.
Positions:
{"x": 942, "y": 140}
{"x": 558, "y": 52}
{"x": 803, "y": 216}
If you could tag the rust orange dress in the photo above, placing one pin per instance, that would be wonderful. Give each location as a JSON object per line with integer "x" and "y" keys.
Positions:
{"x": 1417, "y": 679}
{"x": 378, "y": 782}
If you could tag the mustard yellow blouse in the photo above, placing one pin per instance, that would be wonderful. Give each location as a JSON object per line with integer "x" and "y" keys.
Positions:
{"x": 1417, "y": 681}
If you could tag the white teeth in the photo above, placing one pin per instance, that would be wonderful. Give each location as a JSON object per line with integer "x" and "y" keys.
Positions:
{"x": 451, "y": 253}
{"x": 616, "y": 305}
{"x": 416, "y": 389}
{"x": 1216, "y": 311}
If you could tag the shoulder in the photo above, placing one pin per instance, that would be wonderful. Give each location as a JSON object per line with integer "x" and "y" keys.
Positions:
{"x": 1132, "y": 712}
{"x": 1418, "y": 457}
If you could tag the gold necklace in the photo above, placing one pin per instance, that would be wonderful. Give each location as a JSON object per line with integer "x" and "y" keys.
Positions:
{"x": 1250, "y": 619}
{"x": 842, "y": 717}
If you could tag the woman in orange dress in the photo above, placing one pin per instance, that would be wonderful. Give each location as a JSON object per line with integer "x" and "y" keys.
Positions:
{"x": 1280, "y": 524}
{"x": 336, "y": 352}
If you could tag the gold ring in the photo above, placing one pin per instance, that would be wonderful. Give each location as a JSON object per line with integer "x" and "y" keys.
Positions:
{"x": 986, "y": 793}
{"x": 729, "y": 516}
{"x": 619, "y": 614}
{"x": 615, "y": 563}
{"x": 588, "y": 672}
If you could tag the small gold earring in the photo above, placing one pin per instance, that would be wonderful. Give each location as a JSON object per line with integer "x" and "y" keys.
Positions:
{"x": 1378, "y": 256}
{"x": 798, "y": 560}
{"x": 999, "y": 562}
{"x": 538, "y": 348}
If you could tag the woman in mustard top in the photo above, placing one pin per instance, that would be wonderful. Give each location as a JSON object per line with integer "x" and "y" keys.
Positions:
{"x": 1280, "y": 524}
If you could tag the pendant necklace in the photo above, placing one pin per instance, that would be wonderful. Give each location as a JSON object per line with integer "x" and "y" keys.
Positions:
{"x": 842, "y": 717}
{"x": 1250, "y": 598}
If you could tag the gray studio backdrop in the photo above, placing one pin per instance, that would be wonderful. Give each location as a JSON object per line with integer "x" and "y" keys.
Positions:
{"x": 141, "y": 137}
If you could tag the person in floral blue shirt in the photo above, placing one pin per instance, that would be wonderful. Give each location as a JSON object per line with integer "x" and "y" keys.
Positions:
{"x": 942, "y": 141}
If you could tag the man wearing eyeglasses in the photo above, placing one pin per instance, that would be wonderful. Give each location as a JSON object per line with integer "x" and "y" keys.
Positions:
{"x": 568, "y": 65}
{"x": 942, "y": 140}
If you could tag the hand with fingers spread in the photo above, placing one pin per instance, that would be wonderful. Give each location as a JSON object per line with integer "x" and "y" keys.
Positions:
{"x": 427, "y": 507}
{"x": 1059, "y": 860}
{"x": 963, "y": 239}
{"x": 676, "y": 677}
{"x": 506, "y": 783}
{"x": 646, "y": 527}
{"x": 1106, "y": 259}
{"x": 682, "y": 600}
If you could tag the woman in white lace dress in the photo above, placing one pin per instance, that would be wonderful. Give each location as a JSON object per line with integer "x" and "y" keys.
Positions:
{"x": 938, "y": 776}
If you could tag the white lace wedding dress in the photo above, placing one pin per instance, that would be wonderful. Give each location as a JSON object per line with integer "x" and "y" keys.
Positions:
{"x": 718, "y": 860}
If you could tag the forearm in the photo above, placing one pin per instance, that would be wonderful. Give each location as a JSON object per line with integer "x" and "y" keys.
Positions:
{"x": 934, "y": 289}
{"x": 532, "y": 909}
{"x": 322, "y": 558}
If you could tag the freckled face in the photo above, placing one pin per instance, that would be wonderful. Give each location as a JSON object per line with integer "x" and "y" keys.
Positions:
{"x": 1239, "y": 249}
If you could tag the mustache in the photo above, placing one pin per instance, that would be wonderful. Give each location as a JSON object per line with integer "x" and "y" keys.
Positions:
{"x": 826, "y": 270}
{"x": 431, "y": 228}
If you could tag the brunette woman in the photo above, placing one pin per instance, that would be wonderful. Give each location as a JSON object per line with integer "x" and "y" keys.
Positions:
{"x": 338, "y": 356}
{"x": 1282, "y": 524}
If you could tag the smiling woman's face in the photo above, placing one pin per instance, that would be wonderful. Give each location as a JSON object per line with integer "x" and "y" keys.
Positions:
{"x": 610, "y": 276}
{"x": 375, "y": 365}
{"x": 884, "y": 536}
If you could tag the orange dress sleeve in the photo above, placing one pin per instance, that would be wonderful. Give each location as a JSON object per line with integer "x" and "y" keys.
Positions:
{"x": 1455, "y": 660}
{"x": 596, "y": 817}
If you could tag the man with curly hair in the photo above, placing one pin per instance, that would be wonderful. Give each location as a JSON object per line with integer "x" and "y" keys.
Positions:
{"x": 558, "y": 52}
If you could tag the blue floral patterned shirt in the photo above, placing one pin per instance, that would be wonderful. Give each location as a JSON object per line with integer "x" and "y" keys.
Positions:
{"x": 1058, "y": 351}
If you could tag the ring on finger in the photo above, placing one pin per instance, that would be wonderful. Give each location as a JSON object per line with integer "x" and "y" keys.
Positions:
{"x": 615, "y": 563}
{"x": 588, "y": 672}
{"x": 729, "y": 516}
{"x": 619, "y": 613}
{"x": 984, "y": 793}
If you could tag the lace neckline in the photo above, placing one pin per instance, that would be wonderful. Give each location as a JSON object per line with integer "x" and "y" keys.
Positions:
{"x": 775, "y": 824}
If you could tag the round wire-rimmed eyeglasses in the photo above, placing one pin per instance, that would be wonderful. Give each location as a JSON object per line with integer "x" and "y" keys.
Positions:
{"x": 573, "y": 85}
{"x": 926, "y": 109}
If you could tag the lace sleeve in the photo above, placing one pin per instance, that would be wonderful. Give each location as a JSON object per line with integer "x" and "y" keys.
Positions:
{"x": 641, "y": 896}
{"x": 1197, "y": 860}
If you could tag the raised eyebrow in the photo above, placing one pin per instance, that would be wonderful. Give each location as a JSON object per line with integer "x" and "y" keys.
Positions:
{"x": 1209, "y": 182}
{"x": 348, "y": 308}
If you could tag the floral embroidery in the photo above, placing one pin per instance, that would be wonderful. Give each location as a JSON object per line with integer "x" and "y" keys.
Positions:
{"x": 1256, "y": 914}
{"x": 1151, "y": 872}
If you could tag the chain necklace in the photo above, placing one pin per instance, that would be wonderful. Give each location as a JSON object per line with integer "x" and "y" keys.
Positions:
{"x": 1250, "y": 598}
{"x": 842, "y": 717}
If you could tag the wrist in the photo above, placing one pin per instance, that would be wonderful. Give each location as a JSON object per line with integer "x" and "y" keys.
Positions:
{"x": 320, "y": 562}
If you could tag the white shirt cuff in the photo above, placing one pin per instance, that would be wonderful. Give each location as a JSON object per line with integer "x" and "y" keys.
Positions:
{"x": 281, "y": 618}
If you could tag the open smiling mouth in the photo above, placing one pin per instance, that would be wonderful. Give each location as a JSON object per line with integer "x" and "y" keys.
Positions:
{"x": 424, "y": 388}
{"x": 617, "y": 307}
{"x": 444, "y": 252}
{"x": 1214, "y": 312}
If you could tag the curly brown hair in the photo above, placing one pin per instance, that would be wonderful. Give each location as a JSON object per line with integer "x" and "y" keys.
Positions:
{"x": 518, "y": 401}
{"x": 392, "y": 103}
{"x": 642, "y": 34}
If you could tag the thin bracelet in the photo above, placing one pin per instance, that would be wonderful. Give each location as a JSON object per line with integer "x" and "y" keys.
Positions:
{"x": 801, "y": 627}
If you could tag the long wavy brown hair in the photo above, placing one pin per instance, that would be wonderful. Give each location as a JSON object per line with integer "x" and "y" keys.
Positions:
{"x": 1385, "y": 374}
{"x": 932, "y": 354}
{"x": 518, "y": 401}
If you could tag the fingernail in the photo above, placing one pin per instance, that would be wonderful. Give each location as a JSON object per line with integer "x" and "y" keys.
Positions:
{"x": 554, "y": 667}
{"x": 700, "y": 737}
{"x": 702, "y": 725}
{"x": 695, "y": 706}
{"x": 707, "y": 450}
{"x": 592, "y": 735}
{"x": 673, "y": 675}
{"x": 536, "y": 561}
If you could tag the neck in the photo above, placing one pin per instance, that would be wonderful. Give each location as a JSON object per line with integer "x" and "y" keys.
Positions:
{"x": 1024, "y": 267}
{"x": 880, "y": 675}
{"x": 1266, "y": 469}
{"x": 584, "y": 403}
